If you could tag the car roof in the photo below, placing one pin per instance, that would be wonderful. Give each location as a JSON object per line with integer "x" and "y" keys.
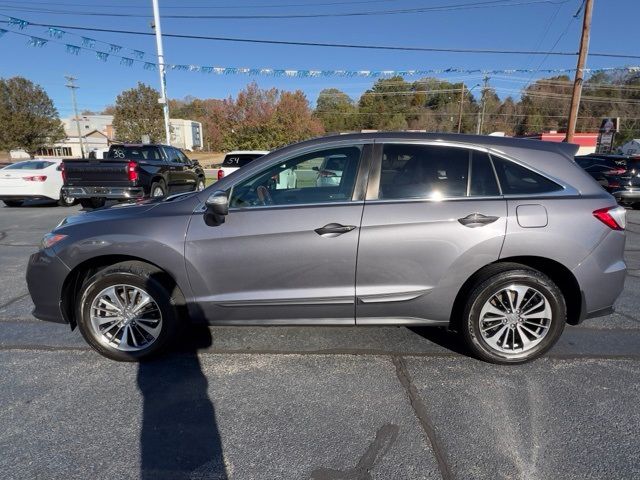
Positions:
{"x": 565, "y": 149}
{"x": 248, "y": 152}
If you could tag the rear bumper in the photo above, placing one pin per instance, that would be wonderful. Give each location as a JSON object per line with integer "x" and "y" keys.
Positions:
{"x": 45, "y": 276}
{"x": 601, "y": 276}
{"x": 627, "y": 196}
{"x": 116, "y": 193}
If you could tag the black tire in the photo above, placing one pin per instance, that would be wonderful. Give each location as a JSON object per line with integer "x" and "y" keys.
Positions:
{"x": 157, "y": 187}
{"x": 13, "y": 203}
{"x": 496, "y": 279}
{"x": 66, "y": 201}
{"x": 154, "y": 282}
{"x": 200, "y": 185}
{"x": 94, "y": 202}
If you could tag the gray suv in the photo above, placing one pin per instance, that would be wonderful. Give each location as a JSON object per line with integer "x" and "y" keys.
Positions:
{"x": 502, "y": 240}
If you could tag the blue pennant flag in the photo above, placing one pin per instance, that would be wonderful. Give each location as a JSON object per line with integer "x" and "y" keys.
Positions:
{"x": 114, "y": 48}
{"x": 139, "y": 54}
{"x": 18, "y": 22}
{"x": 55, "y": 32}
{"x": 37, "y": 41}
{"x": 72, "y": 49}
{"x": 88, "y": 42}
{"x": 102, "y": 56}
{"x": 127, "y": 62}
{"x": 206, "y": 69}
{"x": 149, "y": 66}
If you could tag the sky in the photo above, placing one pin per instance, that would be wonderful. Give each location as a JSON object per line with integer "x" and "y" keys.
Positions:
{"x": 523, "y": 25}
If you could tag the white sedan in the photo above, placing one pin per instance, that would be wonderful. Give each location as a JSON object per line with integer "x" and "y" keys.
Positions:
{"x": 33, "y": 179}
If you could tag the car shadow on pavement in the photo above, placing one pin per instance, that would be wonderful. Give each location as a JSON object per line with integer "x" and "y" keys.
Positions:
{"x": 179, "y": 436}
{"x": 443, "y": 337}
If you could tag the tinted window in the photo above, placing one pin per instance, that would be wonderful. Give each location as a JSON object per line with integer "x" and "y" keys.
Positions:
{"x": 32, "y": 165}
{"x": 239, "y": 160}
{"x": 181, "y": 156}
{"x": 518, "y": 180}
{"x": 483, "y": 179}
{"x": 134, "y": 153}
{"x": 301, "y": 180}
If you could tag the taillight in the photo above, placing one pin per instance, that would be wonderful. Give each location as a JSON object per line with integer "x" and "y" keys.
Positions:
{"x": 132, "y": 171}
{"x": 35, "y": 178}
{"x": 220, "y": 174}
{"x": 614, "y": 184}
{"x": 613, "y": 217}
{"x": 63, "y": 172}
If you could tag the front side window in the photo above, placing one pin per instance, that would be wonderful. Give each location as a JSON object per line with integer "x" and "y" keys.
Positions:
{"x": 304, "y": 179}
{"x": 518, "y": 180}
{"x": 435, "y": 172}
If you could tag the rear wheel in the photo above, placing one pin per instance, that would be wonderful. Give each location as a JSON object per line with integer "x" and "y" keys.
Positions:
{"x": 513, "y": 316}
{"x": 128, "y": 311}
{"x": 158, "y": 189}
{"x": 65, "y": 200}
{"x": 13, "y": 203}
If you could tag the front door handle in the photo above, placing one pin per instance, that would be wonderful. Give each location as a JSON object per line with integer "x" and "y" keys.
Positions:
{"x": 477, "y": 220}
{"x": 333, "y": 230}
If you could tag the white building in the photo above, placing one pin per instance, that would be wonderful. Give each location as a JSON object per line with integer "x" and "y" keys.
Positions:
{"x": 88, "y": 123}
{"x": 186, "y": 134}
{"x": 70, "y": 146}
{"x": 632, "y": 147}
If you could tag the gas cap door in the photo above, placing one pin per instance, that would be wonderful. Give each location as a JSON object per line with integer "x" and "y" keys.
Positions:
{"x": 532, "y": 216}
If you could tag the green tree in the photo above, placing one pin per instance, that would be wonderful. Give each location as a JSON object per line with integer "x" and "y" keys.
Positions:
{"x": 336, "y": 111}
{"x": 137, "y": 113}
{"x": 28, "y": 118}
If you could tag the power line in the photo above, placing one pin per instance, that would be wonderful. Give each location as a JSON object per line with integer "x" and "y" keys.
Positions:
{"x": 325, "y": 44}
{"x": 404, "y": 11}
{"x": 208, "y": 7}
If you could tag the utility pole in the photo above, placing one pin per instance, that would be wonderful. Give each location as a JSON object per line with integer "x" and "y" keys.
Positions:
{"x": 161, "y": 69}
{"x": 460, "y": 112}
{"x": 72, "y": 86}
{"x": 582, "y": 59}
{"x": 484, "y": 102}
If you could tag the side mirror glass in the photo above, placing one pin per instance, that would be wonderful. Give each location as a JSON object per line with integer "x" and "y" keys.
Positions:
{"x": 218, "y": 203}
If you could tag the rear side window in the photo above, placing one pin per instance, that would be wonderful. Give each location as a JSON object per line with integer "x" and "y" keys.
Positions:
{"x": 433, "y": 172}
{"x": 518, "y": 180}
{"x": 32, "y": 165}
{"x": 239, "y": 160}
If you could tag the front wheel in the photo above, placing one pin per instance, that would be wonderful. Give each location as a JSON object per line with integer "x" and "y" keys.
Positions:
{"x": 128, "y": 311}
{"x": 513, "y": 316}
{"x": 200, "y": 185}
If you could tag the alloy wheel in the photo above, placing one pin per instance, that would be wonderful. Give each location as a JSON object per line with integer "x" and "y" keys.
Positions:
{"x": 515, "y": 319}
{"x": 126, "y": 318}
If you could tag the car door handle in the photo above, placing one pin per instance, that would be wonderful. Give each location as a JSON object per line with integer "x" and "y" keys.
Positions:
{"x": 333, "y": 230}
{"x": 477, "y": 220}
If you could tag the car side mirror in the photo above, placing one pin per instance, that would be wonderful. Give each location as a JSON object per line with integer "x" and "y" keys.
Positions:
{"x": 218, "y": 203}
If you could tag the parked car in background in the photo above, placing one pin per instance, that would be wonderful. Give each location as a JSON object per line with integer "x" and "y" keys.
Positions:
{"x": 132, "y": 171}
{"x": 31, "y": 180}
{"x": 330, "y": 171}
{"x": 503, "y": 240}
{"x": 617, "y": 174}
{"x": 238, "y": 159}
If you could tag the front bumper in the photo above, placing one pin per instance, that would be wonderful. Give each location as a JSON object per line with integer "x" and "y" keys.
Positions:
{"x": 114, "y": 193}
{"x": 45, "y": 276}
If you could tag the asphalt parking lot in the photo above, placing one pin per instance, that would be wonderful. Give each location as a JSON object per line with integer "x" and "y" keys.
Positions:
{"x": 311, "y": 403}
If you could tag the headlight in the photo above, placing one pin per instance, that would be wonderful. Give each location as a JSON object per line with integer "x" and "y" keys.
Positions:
{"x": 50, "y": 239}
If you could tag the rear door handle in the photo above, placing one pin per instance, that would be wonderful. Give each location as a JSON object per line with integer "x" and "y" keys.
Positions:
{"x": 333, "y": 230}
{"x": 477, "y": 220}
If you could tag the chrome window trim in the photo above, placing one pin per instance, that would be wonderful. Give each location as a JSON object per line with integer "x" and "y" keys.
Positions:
{"x": 296, "y": 205}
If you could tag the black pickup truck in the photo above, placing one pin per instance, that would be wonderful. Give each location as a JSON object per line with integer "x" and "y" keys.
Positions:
{"x": 131, "y": 171}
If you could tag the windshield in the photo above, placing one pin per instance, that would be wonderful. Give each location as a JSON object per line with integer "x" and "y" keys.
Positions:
{"x": 239, "y": 160}
{"x": 29, "y": 165}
